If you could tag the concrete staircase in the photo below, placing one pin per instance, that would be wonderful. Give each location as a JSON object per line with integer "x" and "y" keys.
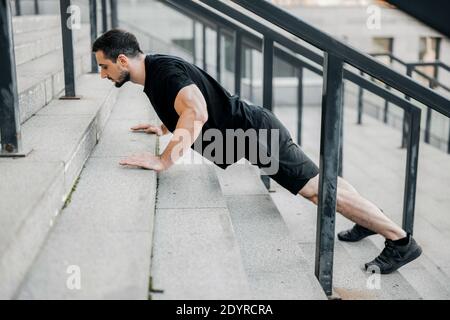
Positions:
{"x": 60, "y": 135}
{"x": 104, "y": 234}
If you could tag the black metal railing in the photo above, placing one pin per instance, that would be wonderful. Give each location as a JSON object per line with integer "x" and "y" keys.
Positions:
{"x": 10, "y": 129}
{"x": 433, "y": 83}
{"x": 272, "y": 43}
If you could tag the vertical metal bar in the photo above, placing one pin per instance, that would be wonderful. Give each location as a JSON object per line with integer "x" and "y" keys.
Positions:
{"x": 341, "y": 135}
{"x": 360, "y": 103}
{"x": 205, "y": 66}
{"x": 406, "y": 120}
{"x": 18, "y": 8}
{"x": 114, "y": 14}
{"x": 386, "y": 109}
{"x": 429, "y": 111}
{"x": 9, "y": 103}
{"x": 69, "y": 67}
{"x": 267, "y": 72}
{"x": 36, "y": 7}
{"x": 93, "y": 21}
{"x": 252, "y": 82}
{"x": 329, "y": 158}
{"x": 237, "y": 62}
{"x": 299, "y": 105}
{"x": 194, "y": 42}
{"x": 218, "y": 53}
{"x": 267, "y": 85}
{"x": 412, "y": 157}
{"x": 104, "y": 16}
{"x": 427, "y": 126}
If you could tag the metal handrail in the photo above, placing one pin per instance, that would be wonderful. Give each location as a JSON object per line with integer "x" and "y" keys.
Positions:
{"x": 221, "y": 14}
{"x": 348, "y": 54}
{"x": 433, "y": 83}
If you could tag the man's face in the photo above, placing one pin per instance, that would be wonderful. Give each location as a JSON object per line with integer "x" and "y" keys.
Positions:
{"x": 117, "y": 71}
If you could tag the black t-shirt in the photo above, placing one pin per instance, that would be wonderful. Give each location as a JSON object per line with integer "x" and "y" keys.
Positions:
{"x": 166, "y": 75}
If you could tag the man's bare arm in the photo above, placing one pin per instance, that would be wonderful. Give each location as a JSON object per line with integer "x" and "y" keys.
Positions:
{"x": 190, "y": 105}
{"x": 191, "y": 108}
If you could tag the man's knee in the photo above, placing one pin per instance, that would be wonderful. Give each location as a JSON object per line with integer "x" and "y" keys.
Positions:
{"x": 310, "y": 190}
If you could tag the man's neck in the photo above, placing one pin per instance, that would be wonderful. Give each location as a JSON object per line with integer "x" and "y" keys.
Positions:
{"x": 137, "y": 73}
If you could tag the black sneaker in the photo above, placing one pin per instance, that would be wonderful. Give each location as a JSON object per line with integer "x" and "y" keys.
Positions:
{"x": 355, "y": 234}
{"x": 394, "y": 256}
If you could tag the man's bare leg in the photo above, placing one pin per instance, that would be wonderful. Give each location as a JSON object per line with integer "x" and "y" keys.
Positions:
{"x": 353, "y": 206}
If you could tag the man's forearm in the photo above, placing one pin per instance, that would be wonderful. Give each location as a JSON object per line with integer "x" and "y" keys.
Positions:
{"x": 187, "y": 131}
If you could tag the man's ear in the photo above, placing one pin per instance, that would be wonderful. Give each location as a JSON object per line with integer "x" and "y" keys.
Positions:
{"x": 122, "y": 60}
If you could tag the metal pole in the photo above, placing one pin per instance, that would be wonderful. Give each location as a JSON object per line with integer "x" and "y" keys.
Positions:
{"x": 238, "y": 62}
{"x": 93, "y": 20}
{"x": 406, "y": 120}
{"x": 250, "y": 51}
{"x": 218, "y": 54}
{"x": 69, "y": 67}
{"x": 360, "y": 102}
{"x": 329, "y": 158}
{"x": 104, "y": 16}
{"x": 412, "y": 157}
{"x": 299, "y": 105}
{"x": 194, "y": 42}
{"x": 267, "y": 85}
{"x": 36, "y": 7}
{"x": 9, "y": 103}
{"x": 114, "y": 14}
{"x": 341, "y": 135}
{"x": 18, "y": 8}
{"x": 205, "y": 66}
{"x": 268, "y": 73}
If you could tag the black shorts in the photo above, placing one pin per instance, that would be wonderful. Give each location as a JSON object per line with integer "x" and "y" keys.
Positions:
{"x": 295, "y": 168}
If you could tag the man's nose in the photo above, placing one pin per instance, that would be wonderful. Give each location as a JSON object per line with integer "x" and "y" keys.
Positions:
{"x": 103, "y": 74}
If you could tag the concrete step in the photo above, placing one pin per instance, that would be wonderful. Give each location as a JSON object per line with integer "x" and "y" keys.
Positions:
{"x": 277, "y": 268}
{"x": 34, "y": 189}
{"x": 31, "y": 23}
{"x": 105, "y": 232}
{"x": 34, "y": 44}
{"x": 42, "y": 79}
{"x": 195, "y": 253}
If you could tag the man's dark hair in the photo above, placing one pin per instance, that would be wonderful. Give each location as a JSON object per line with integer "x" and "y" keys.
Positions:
{"x": 116, "y": 42}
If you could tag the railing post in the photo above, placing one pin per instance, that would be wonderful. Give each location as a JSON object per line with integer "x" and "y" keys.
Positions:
{"x": 93, "y": 20}
{"x": 360, "y": 102}
{"x": 9, "y": 103}
{"x": 329, "y": 158}
{"x": 114, "y": 14}
{"x": 18, "y": 7}
{"x": 341, "y": 135}
{"x": 299, "y": 105}
{"x": 104, "y": 16}
{"x": 412, "y": 157}
{"x": 205, "y": 67}
{"x": 252, "y": 82}
{"x": 237, "y": 62}
{"x": 36, "y": 7}
{"x": 194, "y": 42}
{"x": 386, "y": 108}
{"x": 267, "y": 85}
{"x": 69, "y": 67}
{"x": 406, "y": 120}
{"x": 218, "y": 54}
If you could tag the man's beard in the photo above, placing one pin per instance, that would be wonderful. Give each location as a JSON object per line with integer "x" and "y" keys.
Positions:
{"x": 124, "y": 77}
